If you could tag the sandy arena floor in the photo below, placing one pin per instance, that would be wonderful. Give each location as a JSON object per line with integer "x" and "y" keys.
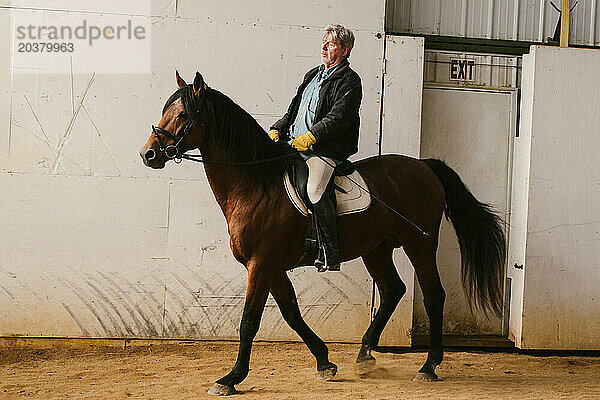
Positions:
{"x": 286, "y": 371}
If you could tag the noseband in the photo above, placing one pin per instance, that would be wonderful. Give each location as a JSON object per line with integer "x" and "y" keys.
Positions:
{"x": 172, "y": 151}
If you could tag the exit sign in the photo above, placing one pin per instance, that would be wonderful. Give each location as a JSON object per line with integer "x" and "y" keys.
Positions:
{"x": 462, "y": 69}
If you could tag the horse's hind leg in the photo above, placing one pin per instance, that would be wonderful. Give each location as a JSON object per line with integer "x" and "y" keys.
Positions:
{"x": 391, "y": 289}
{"x": 423, "y": 259}
{"x": 283, "y": 292}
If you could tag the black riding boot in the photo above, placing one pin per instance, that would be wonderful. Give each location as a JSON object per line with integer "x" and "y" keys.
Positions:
{"x": 325, "y": 215}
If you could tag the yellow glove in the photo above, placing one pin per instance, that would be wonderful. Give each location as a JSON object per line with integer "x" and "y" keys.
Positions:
{"x": 274, "y": 134}
{"x": 303, "y": 142}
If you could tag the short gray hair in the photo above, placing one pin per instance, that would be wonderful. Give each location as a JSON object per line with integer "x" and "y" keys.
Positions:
{"x": 343, "y": 36}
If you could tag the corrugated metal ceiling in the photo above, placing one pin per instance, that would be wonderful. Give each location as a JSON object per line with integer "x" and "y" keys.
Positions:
{"x": 526, "y": 20}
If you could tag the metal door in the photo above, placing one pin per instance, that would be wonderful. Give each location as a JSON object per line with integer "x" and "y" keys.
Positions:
{"x": 470, "y": 129}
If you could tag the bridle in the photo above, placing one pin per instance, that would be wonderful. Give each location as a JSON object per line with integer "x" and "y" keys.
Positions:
{"x": 172, "y": 151}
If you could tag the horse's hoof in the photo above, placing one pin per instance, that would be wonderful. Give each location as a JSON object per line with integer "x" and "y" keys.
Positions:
{"x": 365, "y": 366}
{"x": 327, "y": 373}
{"x": 221, "y": 390}
{"x": 425, "y": 377}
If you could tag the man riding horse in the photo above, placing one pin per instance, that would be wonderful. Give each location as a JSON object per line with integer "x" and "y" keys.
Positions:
{"x": 322, "y": 122}
{"x": 245, "y": 170}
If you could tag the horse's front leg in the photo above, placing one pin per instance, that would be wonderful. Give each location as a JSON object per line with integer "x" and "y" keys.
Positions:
{"x": 259, "y": 282}
{"x": 283, "y": 292}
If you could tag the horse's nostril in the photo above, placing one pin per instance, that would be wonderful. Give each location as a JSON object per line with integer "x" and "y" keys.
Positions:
{"x": 149, "y": 155}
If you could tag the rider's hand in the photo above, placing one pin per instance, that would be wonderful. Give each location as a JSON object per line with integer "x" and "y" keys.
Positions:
{"x": 274, "y": 134}
{"x": 303, "y": 142}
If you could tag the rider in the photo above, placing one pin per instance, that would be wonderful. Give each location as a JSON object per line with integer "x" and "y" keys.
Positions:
{"x": 322, "y": 122}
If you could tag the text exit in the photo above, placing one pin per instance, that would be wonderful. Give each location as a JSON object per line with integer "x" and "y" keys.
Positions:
{"x": 462, "y": 70}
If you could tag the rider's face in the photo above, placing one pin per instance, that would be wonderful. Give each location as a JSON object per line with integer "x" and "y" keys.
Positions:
{"x": 331, "y": 52}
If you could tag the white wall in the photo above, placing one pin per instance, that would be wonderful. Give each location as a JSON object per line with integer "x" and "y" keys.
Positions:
{"x": 561, "y": 301}
{"x": 103, "y": 246}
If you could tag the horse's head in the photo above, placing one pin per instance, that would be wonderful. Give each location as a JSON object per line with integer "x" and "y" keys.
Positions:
{"x": 179, "y": 128}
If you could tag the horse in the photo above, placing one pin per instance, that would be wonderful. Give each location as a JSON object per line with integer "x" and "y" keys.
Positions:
{"x": 245, "y": 170}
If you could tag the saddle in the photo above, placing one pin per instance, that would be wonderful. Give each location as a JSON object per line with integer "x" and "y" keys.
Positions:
{"x": 350, "y": 198}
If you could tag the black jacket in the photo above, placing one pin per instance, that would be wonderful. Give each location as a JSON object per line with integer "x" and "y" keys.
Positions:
{"x": 336, "y": 117}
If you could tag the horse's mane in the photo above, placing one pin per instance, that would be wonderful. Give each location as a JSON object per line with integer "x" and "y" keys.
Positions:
{"x": 238, "y": 135}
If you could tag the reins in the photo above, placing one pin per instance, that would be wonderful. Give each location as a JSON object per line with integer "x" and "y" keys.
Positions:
{"x": 198, "y": 158}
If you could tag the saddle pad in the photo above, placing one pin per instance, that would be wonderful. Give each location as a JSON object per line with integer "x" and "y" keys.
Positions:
{"x": 353, "y": 201}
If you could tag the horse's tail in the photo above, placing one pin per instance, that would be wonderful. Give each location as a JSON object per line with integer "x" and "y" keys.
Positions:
{"x": 480, "y": 237}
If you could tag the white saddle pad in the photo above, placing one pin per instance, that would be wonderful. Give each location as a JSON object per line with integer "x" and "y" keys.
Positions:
{"x": 353, "y": 201}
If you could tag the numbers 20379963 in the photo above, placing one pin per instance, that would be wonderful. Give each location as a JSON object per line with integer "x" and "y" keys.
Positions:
{"x": 38, "y": 47}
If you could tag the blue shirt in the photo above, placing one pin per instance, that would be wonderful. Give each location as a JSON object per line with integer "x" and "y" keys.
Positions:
{"x": 305, "y": 118}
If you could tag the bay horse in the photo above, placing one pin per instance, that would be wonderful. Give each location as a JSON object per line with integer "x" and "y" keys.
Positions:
{"x": 245, "y": 171}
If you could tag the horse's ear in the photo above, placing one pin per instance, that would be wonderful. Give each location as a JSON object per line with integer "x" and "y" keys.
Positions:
{"x": 180, "y": 82}
{"x": 198, "y": 84}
